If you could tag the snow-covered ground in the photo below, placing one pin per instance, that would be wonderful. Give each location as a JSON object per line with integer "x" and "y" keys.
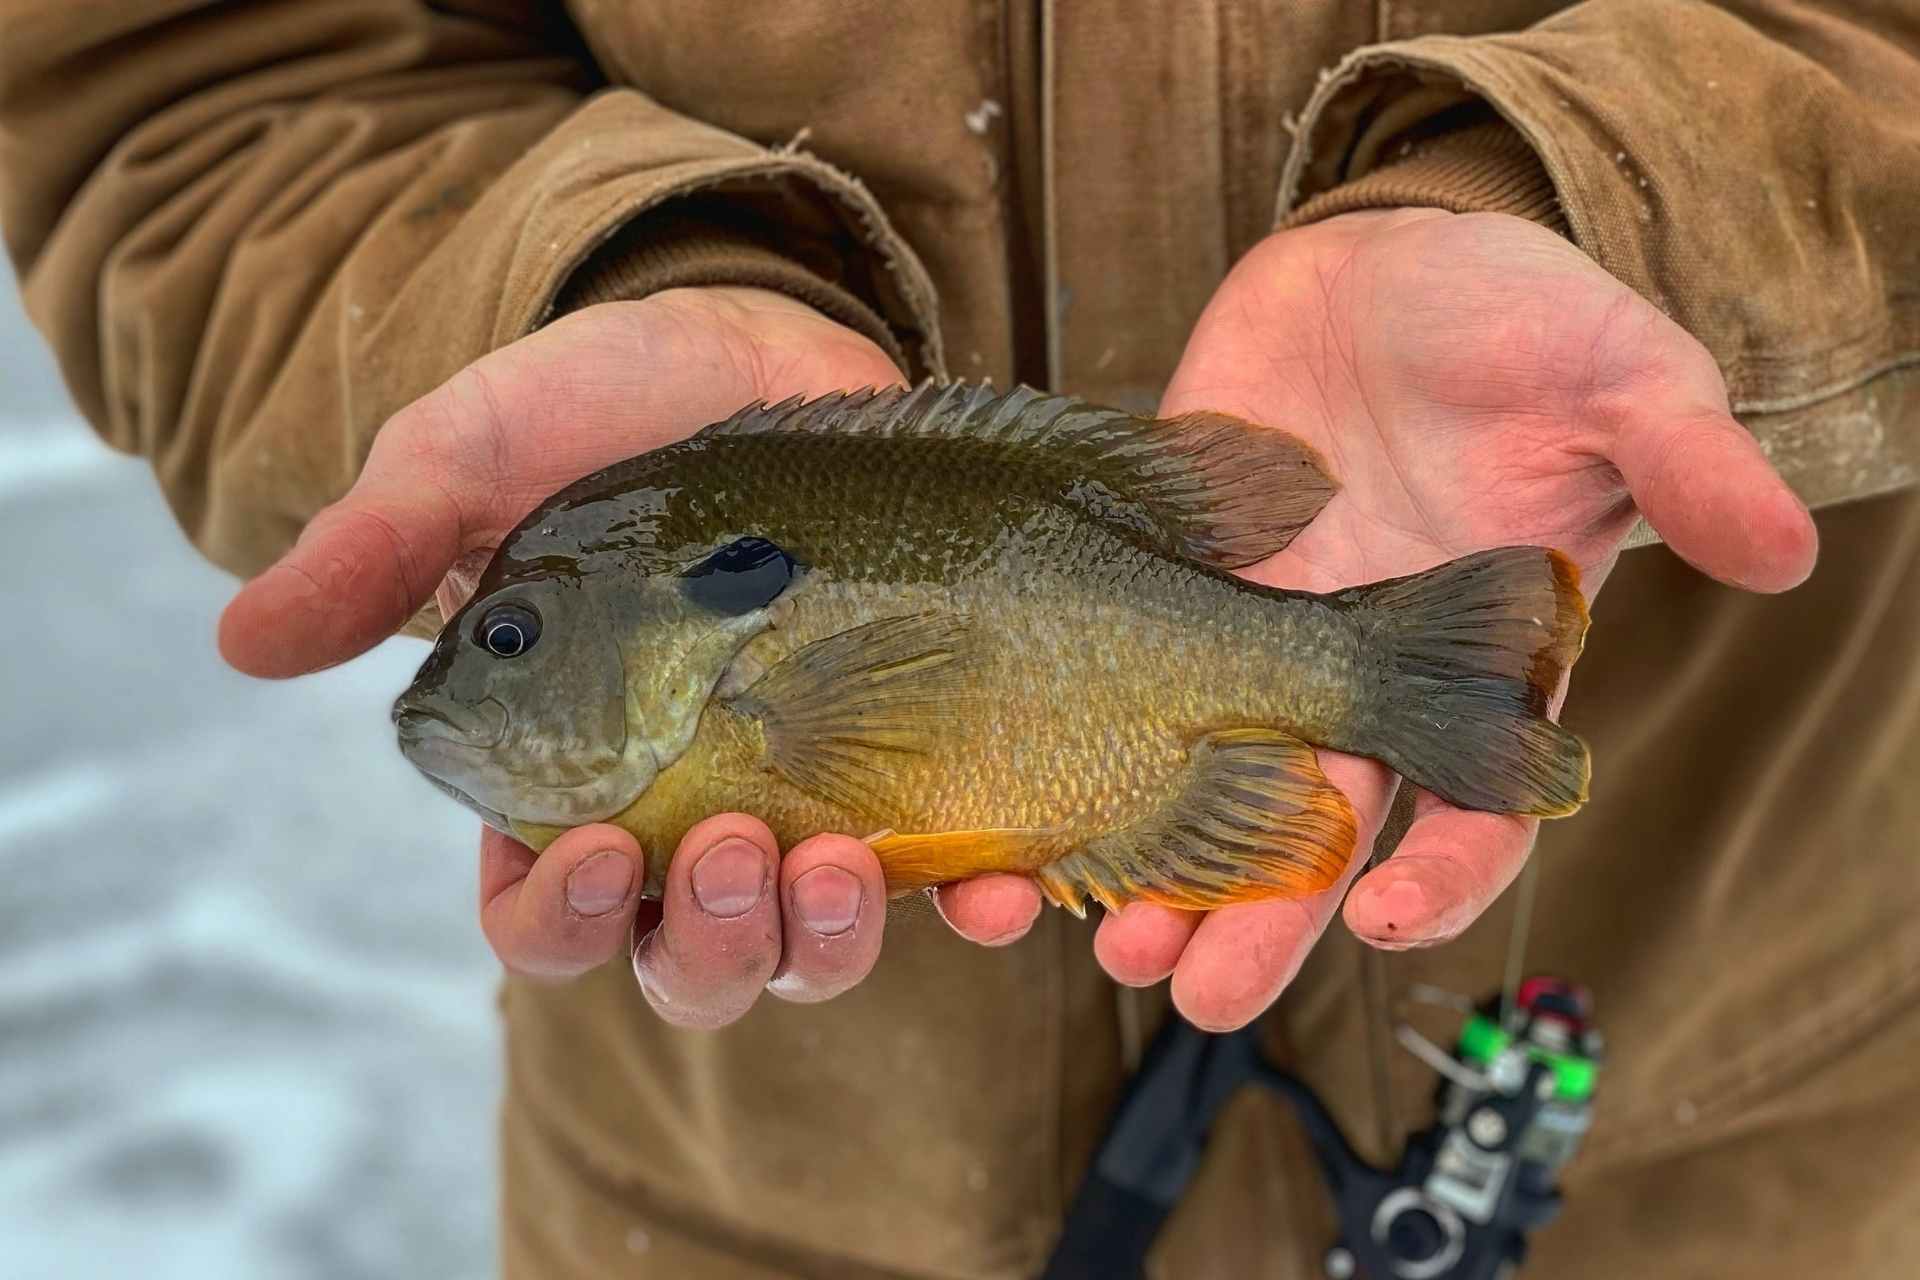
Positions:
{"x": 246, "y": 1019}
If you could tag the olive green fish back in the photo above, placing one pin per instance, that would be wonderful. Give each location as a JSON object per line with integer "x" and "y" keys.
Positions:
{"x": 1206, "y": 486}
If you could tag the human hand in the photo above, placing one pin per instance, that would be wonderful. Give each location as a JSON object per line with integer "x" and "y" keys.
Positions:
{"x": 735, "y": 918}
{"x": 451, "y": 474}
{"x": 445, "y": 481}
{"x": 1473, "y": 381}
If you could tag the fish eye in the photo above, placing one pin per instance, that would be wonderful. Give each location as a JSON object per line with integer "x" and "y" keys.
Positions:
{"x": 508, "y": 630}
{"x": 744, "y": 575}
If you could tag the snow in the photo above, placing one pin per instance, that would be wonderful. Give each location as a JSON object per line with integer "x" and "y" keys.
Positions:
{"x": 246, "y": 1019}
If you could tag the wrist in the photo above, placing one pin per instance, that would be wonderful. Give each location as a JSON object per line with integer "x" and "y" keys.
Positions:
{"x": 1340, "y": 232}
{"x": 740, "y": 300}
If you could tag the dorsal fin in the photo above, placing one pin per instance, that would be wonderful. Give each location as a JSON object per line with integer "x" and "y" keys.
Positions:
{"x": 1206, "y": 486}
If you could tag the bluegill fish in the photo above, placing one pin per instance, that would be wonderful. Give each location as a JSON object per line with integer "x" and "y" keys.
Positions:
{"x": 995, "y": 633}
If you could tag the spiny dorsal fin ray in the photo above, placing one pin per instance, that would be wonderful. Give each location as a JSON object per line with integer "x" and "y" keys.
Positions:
{"x": 1206, "y": 486}
{"x": 839, "y": 712}
{"x": 1257, "y": 820}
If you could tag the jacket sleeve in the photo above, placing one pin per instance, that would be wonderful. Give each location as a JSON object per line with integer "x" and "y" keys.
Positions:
{"x": 252, "y": 232}
{"x": 1749, "y": 167}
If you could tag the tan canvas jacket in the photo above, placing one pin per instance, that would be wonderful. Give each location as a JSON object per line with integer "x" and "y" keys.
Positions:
{"x": 253, "y": 231}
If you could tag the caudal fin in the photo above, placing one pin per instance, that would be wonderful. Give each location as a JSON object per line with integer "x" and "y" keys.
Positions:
{"x": 1473, "y": 652}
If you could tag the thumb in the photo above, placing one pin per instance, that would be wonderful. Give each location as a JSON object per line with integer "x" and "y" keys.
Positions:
{"x": 1707, "y": 489}
{"x": 359, "y": 571}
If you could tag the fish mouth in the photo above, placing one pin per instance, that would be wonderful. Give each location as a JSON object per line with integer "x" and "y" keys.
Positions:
{"x": 431, "y": 738}
{"x": 478, "y": 728}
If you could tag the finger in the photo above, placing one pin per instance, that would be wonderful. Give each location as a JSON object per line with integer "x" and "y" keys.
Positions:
{"x": 361, "y": 569}
{"x": 564, "y": 911}
{"x": 1707, "y": 489}
{"x": 718, "y": 941}
{"x": 1242, "y": 957}
{"x": 991, "y": 910}
{"x": 833, "y": 901}
{"x": 1449, "y": 868}
{"x": 1140, "y": 945}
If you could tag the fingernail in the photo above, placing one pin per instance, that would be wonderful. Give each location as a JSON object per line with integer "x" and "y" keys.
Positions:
{"x": 1402, "y": 910}
{"x": 729, "y": 878}
{"x": 827, "y": 900}
{"x": 1416, "y": 912}
{"x": 600, "y": 883}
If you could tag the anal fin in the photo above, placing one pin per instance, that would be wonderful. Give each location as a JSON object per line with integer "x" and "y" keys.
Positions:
{"x": 916, "y": 861}
{"x": 1257, "y": 819}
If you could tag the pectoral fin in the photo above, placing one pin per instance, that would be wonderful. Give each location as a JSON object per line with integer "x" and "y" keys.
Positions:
{"x": 841, "y": 712}
{"x": 1257, "y": 819}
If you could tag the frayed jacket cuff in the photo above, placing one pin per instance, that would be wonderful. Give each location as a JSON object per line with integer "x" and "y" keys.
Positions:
{"x": 1482, "y": 168}
{"x": 673, "y": 249}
